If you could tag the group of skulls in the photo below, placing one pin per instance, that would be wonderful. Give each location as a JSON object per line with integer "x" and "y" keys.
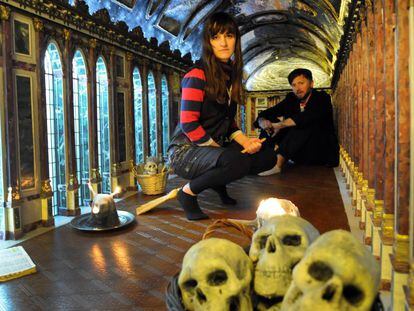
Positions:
{"x": 290, "y": 266}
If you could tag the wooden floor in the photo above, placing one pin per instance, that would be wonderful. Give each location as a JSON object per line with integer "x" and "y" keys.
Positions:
{"x": 129, "y": 269}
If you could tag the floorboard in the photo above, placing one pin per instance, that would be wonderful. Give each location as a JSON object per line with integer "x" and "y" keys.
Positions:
{"x": 129, "y": 269}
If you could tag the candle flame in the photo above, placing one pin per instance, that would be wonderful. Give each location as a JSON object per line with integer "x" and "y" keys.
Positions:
{"x": 269, "y": 208}
{"x": 95, "y": 209}
{"x": 272, "y": 207}
{"x": 118, "y": 190}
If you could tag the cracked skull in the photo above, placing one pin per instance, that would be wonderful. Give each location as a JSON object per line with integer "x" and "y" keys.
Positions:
{"x": 276, "y": 248}
{"x": 216, "y": 275}
{"x": 336, "y": 273}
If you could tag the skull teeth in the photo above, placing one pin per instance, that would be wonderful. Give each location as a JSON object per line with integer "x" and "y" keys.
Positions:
{"x": 273, "y": 273}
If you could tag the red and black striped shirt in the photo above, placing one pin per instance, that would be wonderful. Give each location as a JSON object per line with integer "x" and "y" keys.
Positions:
{"x": 192, "y": 98}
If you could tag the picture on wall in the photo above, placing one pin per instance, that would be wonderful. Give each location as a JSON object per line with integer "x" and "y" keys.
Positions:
{"x": 21, "y": 37}
{"x": 25, "y": 128}
{"x": 261, "y": 102}
{"x": 125, "y": 3}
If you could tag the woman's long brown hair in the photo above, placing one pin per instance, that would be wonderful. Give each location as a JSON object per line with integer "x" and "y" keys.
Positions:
{"x": 221, "y": 22}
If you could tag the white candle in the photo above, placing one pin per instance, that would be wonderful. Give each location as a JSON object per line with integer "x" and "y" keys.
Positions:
{"x": 274, "y": 207}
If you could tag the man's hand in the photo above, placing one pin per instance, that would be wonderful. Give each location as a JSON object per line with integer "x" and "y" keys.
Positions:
{"x": 265, "y": 124}
{"x": 285, "y": 123}
{"x": 252, "y": 145}
{"x": 274, "y": 129}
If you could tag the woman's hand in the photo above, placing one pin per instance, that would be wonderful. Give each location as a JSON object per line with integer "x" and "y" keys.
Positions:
{"x": 214, "y": 144}
{"x": 252, "y": 145}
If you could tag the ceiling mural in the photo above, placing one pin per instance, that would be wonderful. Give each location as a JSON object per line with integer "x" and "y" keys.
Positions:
{"x": 277, "y": 35}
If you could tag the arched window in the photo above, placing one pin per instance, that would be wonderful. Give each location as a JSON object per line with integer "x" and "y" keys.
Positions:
{"x": 139, "y": 133}
{"x": 80, "y": 114}
{"x": 103, "y": 124}
{"x": 165, "y": 115}
{"x": 152, "y": 115}
{"x": 55, "y": 126}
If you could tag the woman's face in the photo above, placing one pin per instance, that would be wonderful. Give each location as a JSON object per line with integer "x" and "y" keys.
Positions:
{"x": 223, "y": 45}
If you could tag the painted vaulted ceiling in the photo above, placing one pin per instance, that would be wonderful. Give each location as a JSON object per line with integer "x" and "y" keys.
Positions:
{"x": 277, "y": 35}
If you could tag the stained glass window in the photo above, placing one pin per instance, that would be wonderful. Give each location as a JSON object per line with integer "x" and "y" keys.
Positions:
{"x": 242, "y": 118}
{"x": 80, "y": 114}
{"x": 103, "y": 124}
{"x": 152, "y": 115}
{"x": 165, "y": 115}
{"x": 55, "y": 126}
{"x": 139, "y": 134}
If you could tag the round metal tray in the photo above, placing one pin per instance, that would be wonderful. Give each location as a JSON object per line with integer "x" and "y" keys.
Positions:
{"x": 81, "y": 222}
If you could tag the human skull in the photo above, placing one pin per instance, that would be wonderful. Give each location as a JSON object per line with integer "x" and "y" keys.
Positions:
{"x": 336, "y": 273}
{"x": 216, "y": 275}
{"x": 276, "y": 248}
{"x": 150, "y": 168}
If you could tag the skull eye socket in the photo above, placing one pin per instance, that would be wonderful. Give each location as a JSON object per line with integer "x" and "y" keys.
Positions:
{"x": 262, "y": 241}
{"x": 320, "y": 271}
{"x": 190, "y": 284}
{"x": 217, "y": 278}
{"x": 292, "y": 240}
{"x": 353, "y": 294}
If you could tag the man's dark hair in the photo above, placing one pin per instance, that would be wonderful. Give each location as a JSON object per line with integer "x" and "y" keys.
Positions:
{"x": 299, "y": 72}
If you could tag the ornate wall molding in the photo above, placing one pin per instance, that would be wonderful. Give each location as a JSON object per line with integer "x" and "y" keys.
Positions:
{"x": 4, "y": 12}
{"x": 102, "y": 28}
{"x": 46, "y": 189}
{"x": 38, "y": 24}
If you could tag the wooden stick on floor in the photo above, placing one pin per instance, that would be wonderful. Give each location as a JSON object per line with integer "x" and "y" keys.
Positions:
{"x": 158, "y": 201}
{"x": 171, "y": 195}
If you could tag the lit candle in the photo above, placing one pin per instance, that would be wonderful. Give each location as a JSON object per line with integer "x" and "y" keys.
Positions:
{"x": 95, "y": 209}
{"x": 274, "y": 207}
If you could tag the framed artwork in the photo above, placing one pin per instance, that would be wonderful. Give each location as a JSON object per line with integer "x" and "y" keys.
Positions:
{"x": 261, "y": 102}
{"x": 25, "y": 127}
{"x": 171, "y": 25}
{"x": 22, "y": 38}
{"x": 120, "y": 66}
{"x": 129, "y": 4}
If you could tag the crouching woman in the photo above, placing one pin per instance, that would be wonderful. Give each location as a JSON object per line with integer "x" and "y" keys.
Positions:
{"x": 206, "y": 145}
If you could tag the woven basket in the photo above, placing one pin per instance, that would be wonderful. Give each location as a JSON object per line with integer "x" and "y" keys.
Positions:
{"x": 173, "y": 295}
{"x": 227, "y": 223}
{"x": 151, "y": 184}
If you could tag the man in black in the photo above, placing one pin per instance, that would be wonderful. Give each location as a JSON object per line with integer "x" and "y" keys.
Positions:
{"x": 301, "y": 126}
